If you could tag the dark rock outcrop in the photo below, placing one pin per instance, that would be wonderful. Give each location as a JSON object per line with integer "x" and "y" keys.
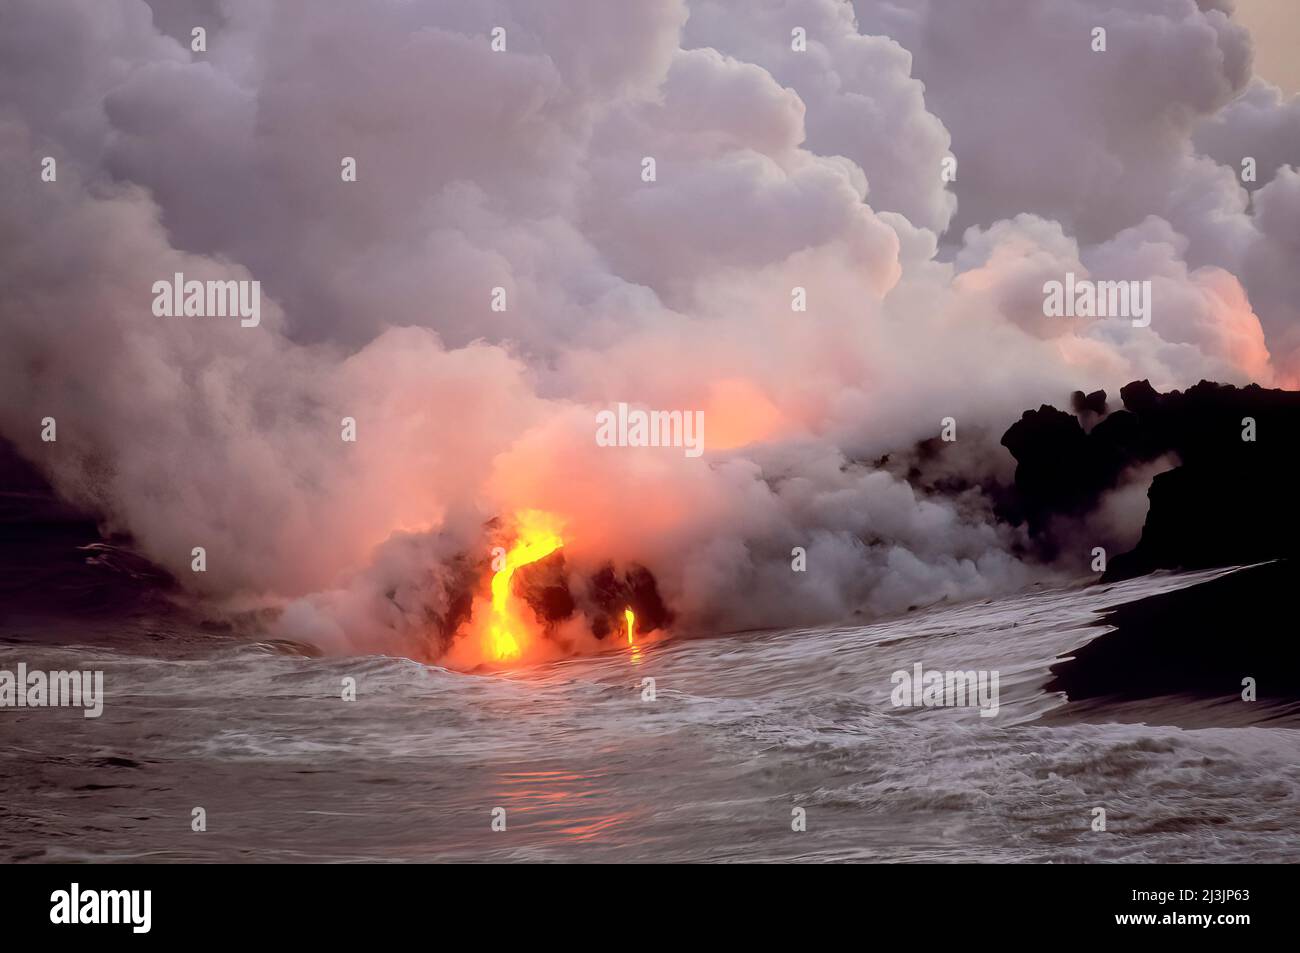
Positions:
{"x": 545, "y": 586}
{"x": 1229, "y": 500}
{"x": 1061, "y": 469}
{"x": 1197, "y": 642}
{"x": 610, "y": 593}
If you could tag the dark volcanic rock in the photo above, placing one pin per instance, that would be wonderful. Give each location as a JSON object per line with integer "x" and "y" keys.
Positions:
{"x": 1060, "y": 468}
{"x": 1232, "y": 500}
{"x": 1229, "y": 500}
{"x": 1094, "y": 403}
{"x": 1201, "y": 641}
{"x": 544, "y": 586}
{"x": 610, "y": 593}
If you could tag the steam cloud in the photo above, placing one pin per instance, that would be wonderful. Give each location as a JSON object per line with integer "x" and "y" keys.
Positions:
{"x": 478, "y": 169}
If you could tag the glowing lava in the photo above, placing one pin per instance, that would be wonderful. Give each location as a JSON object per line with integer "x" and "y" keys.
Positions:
{"x": 538, "y": 536}
{"x": 631, "y": 620}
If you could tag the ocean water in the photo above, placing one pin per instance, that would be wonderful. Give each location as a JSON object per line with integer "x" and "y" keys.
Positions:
{"x": 743, "y": 729}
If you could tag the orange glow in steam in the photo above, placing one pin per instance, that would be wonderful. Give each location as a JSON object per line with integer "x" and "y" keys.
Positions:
{"x": 738, "y": 413}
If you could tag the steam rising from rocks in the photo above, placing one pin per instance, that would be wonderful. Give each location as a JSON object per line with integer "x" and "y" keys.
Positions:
{"x": 521, "y": 170}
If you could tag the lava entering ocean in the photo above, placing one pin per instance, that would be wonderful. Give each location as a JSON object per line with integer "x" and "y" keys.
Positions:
{"x": 538, "y": 537}
{"x": 547, "y": 599}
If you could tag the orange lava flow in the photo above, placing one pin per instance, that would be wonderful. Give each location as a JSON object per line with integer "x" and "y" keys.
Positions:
{"x": 538, "y": 537}
{"x": 631, "y": 620}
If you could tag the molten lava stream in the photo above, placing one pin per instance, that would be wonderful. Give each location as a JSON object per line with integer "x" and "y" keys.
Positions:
{"x": 631, "y": 622}
{"x": 538, "y": 537}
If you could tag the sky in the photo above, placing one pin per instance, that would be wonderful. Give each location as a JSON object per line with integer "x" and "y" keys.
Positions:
{"x": 1275, "y": 30}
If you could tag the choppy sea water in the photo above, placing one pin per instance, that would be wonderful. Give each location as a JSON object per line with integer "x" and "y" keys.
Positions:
{"x": 742, "y": 730}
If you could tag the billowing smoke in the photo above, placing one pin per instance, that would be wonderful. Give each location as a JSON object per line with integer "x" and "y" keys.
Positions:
{"x": 505, "y": 266}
